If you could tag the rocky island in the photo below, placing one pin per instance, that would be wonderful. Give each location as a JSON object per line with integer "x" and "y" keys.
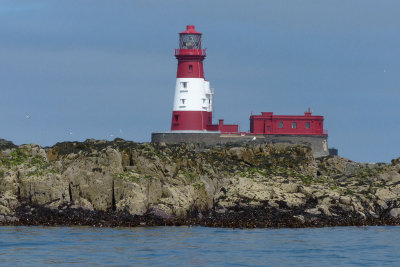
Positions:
{"x": 123, "y": 183}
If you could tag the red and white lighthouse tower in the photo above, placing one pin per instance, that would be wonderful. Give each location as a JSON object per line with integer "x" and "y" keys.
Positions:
{"x": 192, "y": 109}
{"x": 193, "y": 96}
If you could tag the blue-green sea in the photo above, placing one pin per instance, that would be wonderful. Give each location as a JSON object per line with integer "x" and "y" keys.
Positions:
{"x": 199, "y": 246}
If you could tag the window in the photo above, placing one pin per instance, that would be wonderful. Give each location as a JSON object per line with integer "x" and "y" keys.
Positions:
{"x": 307, "y": 125}
{"x": 294, "y": 125}
{"x": 176, "y": 117}
{"x": 184, "y": 84}
{"x": 281, "y": 124}
{"x": 190, "y": 68}
{"x": 268, "y": 128}
{"x": 183, "y": 101}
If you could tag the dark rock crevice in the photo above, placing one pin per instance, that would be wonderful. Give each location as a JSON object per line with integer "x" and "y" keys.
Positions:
{"x": 113, "y": 203}
{"x": 70, "y": 193}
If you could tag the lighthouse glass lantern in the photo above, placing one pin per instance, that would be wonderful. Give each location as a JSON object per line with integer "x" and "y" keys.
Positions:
{"x": 190, "y": 41}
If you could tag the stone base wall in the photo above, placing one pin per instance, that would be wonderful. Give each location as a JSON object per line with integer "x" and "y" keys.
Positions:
{"x": 318, "y": 143}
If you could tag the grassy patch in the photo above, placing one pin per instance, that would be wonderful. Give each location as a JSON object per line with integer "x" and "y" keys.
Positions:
{"x": 127, "y": 176}
{"x": 20, "y": 157}
{"x": 17, "y": 157}
{"x": 306, "y": 179}
{"x": 190, "y": 176}
{"x": 252, "y": 172}
{"x": 334, "y": 187}
{"x": 199, "y": 186}
{"x": 36, "y": 173}
{"x": 369, "y": 196}
{"x": 147, "y": 176}
{"x": 349, "y": 192}
{"x": 38, "y": 162}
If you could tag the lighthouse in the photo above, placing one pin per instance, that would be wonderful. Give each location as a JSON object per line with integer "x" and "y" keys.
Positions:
{"x": 192, "y": 120}
{"x": 192, "y": 110}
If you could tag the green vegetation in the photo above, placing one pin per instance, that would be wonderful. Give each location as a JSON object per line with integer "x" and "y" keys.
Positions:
{"x": 349, "y": 192}
{"x": 20, "y": 157}
{"x": 190, "y": 176}
{"x": 146, "y": 176}
{"x": 253, "y": 172}
{"x": 131, "y": 176}
{"x": 334, "y": 187}
{"x": 199, "y": 186}
{"x": 17, "y": 157}
{"x": 306, "y": 179}
{"x": 379, "y": 184}
{"x": 36, "y": 173}
{"x": 38, "y": 162}
{"x": 127, "y": 176}
{"x": 369, "y": 196}
{"x": 363, "y": 173}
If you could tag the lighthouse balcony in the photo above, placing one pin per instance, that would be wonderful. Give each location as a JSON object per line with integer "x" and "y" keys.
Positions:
{"x": 190, "y": 52}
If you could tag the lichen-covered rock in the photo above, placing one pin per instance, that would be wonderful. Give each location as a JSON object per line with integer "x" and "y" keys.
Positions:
{"x": 395, "y": 213}
{"x": 385, "y": 194}
{"x": 127, "y": 183}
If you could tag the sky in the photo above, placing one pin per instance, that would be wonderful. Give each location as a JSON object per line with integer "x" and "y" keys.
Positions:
{"x": 72, "y": 70}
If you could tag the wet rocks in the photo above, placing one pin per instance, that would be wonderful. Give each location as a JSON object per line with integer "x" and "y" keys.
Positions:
{"x": 123, "y": 183}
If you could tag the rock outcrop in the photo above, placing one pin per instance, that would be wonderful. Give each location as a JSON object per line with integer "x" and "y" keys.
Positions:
{"x": 130, "y": 184}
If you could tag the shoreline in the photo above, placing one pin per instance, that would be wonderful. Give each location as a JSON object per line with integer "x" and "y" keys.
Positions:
{"x": 122, "y": 183}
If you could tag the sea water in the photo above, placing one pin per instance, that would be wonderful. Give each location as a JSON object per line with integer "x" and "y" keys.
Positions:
{"x": 199, "y": 246}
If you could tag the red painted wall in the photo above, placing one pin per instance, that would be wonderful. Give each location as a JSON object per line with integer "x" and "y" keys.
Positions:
{"x": 190, "y": 63}
{"x": 199, "y": 121}
{"x": 190, "y": 120}
{"x": 267, "y": 123}
{"x": 227, "y": 128}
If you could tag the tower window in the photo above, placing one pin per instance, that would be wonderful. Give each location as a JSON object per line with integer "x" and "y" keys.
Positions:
{"x": 281, "y": 124}
{"x": 268, "y": 128}
{"x": 294, "y": 125}
{"x": 176, "y": 117}
{"x": 190, "y": 68}
{"x": 184, "y": 84}
{"x": 307, "y": 125}
{"x": 183, "y": 101}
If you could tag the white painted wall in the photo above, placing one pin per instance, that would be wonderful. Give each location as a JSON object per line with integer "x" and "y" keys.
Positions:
{"x": 197, "y": 96}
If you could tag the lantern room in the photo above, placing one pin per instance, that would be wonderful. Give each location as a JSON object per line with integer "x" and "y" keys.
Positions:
{"x": 190, "y": 39}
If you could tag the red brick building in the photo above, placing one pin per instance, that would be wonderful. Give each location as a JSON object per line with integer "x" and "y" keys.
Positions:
{"x": 268, "y": 123}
